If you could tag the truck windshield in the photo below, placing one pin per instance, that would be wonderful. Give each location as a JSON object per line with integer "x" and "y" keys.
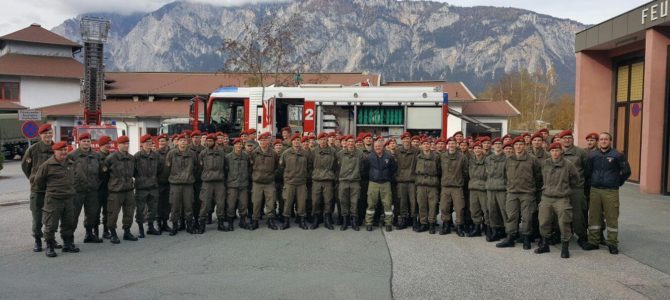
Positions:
{"x": 227, "y": 116}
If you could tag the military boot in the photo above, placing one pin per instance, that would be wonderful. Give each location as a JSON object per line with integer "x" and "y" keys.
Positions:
{"x": 489, "y": 234}
{"x": 401, "y": 223}
{"x": 229, "y": 224}
{"x": 507, "y": 243}
{"x": 345, "y": 224}
{"x": 174, "y": 229}
{"x": 499, "y": 234}
{"x": 195, "y": 225}
{"x": 57, "y": 245}
{"x": 415, "y": 224}
{"x": 151, "y": 229}
{"x": 50, "y": 249}
{"x": 271, "y": 224}
{"x": 354, "y": 224}
{"x": 286, "y": 224}
{"x": 526, "y": 241}
{"x": 105, "y": 232}
{"x": 209, "y": 219}
{"x": 127, "y": 236}
{"x": 431, "y": 228}
{"x": 460, "y": 230}
{"x": 253, "y": 225}
{"x": 554, "y": 238}
{"x": 203, "y": 224}
{"x": 614, "y": 250}
{"x": 96, "y": 231}
{"x": 68, "y": 245}
{"x": 189, "y": 226}
{"x": 90, "y": 237}
{"x": 328, "y": 222}
{"x": 38, "y": 245}
{"x": 140, "y": 227}
{"x": 165, "y": 227}
{"x": 219, "y": 224}
{"x": 303, "y": 223}
{"x": 315, "y": 223}
{"x": 445, "y": 229}
{"x": 565, "y": 252}
{"x": 476, "y": 231}
{"x": 243, "y": 223}
{"x": 113, "y": 238}
{"x": 389, "y": 228}
{"x": 543, "y": 246}
{"x": 182, "y": 224}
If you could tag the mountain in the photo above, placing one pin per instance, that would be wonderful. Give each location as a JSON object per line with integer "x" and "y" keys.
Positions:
{"x": 402, "y": 40}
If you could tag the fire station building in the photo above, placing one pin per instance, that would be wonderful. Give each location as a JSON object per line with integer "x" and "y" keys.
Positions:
{"x": 622, "y": 87}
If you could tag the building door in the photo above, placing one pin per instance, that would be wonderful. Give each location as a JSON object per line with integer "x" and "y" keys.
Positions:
{"x": 628, "y": 113}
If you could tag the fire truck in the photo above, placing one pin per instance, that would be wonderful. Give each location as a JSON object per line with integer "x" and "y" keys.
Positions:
{"x": 94, "y": 34}
{"x": 383, "y": 111}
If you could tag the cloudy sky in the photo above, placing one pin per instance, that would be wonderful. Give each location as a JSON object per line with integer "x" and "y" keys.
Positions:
{"x": 17, "y": 14}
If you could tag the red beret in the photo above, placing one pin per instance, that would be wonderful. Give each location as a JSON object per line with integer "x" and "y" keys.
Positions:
{"x": 323, "y": 135}
{"x": 525, "y": 134}
{"x": 518, "y": 139}
{"x": 311, "y": 137}
{"x": 304, "y": 139}
{"x": 211, "y": 136}
{"x": 286, "y": 129}
{"x": 440, "y": 140}
{"x": 277, "y": 141}
{"x": 104, "y": 140}
{"x": 389, "y": 141}
{"x": 451, "y": 139}
{"x": 123, "y": 139}
{"x": 458, "y": 132}
{"x": 294, "y": 136}
{"x": 163, "y": 136}
{"x": 237, "y": 140}
{"x": 565, "y": 133}
{"x": 359, "y": 140}
{"x": 477, "y": 144}
{"x": 196, "y": 133}
{"x": 405, "y": 134}
{"x": 365, "y": 134}
{"x": 43, "y": 128}
{"x": 416, "y": 138}
{"x": 174, "y": 136}
{"x": 332, "y": 134}
{"x": 181, "y": 136}
{"x": 508, "y": 144}
{"x": 264, "y": 135}
{"x": 497, "y": 140}
{"x": 484, "y": 139}
{"x": 59, "y": 145}
{"x": 544, "y": 130}
{"x": 251, "y": 131}
{"x": 555, "y": 146}
{"x": 84, "y": 136}
{"x": 592, "y": 135}
{"x": 536, "y": 135}
{"x": 145, "y": 138}
{"x": 348, "y": 137}
{"x": 425, "y": 140}
{"x": 507, "y": 136}
{"x": 186, "y": 132}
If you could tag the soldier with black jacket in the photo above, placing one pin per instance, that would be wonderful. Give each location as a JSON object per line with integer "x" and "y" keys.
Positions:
{"x": 212, "y": 163}
{"x": 264, "y": 162}
{"x": 147, "y": 162}
{"x": 120, "y": 166}
{"x": 608, "y": 169}
{"x": 382, "y": 168}
{"x": 35, "y": 156}
{"x": 182, "y": 163}
{"x": 87, "y": 167}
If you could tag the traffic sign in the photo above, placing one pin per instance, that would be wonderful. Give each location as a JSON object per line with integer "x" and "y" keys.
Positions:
{"x": 30, "y": 115}
{"x": 29, "y": 129}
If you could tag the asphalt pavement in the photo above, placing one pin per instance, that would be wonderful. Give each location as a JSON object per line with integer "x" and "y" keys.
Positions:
{"x": 323, "y": 264}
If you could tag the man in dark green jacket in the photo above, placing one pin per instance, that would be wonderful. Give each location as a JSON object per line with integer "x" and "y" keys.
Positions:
{"x": 477, "y": 186}
{"x": 324, "y": 164}
{"x": 496, "y": 191}
{"x": 454, "y": 167}
{"x": 182, "y": 163}
{"x": 406, "y": 157}
{"x": 147, "y": 162}
{"x": 120, "y": 166}
{"x": 294, "y": 163}
{"x": 87, "y": 167}
{"x": 212, "y": 163}
{"x": 350, "y": 162}
{"x": 237, "y": 182}
{"x": 264, "y": 162}
{"x": 427, "y": 179}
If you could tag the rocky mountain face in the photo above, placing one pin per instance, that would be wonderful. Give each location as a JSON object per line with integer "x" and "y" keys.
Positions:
{"x": 402, "y": 40}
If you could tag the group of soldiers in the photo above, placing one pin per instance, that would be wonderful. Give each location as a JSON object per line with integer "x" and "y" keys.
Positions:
{"x": 514, "y": 189}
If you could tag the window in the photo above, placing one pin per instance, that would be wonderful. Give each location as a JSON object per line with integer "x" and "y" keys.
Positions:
{"x": 66, "y": 134}
{"x": 152, "y": 131}
{"x": 628, "y": 114}
{"x": 9, "y": 91}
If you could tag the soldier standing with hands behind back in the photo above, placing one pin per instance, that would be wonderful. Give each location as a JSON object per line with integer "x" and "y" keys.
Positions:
{"x": 87, "y": 167}
{"x": 121, "y": 167}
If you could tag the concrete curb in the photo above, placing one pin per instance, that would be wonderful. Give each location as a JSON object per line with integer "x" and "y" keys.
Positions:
{"x": 14, "y": 203}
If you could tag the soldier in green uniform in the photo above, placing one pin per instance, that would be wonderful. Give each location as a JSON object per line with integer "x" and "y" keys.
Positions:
{"x": 212, "y": 161}
{"x": 477, "y": 186}
{"x": 278, "y": 147}
{"x": 496, "y": 191}
{"x": 264, "y": 162}
{"x": 559, "y": 176}
{"x": 104, "y": 144}
{"x": 120, "y": 166}
{"x": 37, "y": 154}
{"x": 182, "y": 165}
{"x": 237, "y": 183}
{"x": 426, "y": 172}
{"x": 323, "y": 167}
{"x": 537, "y": 149}
{"x": 147, "y": 162}
{"x": 294, "y": 163}
{"x": 350, "y": 161}
{"x": 578, "y": 157}
{"x": 286, "y": 136}
{"x": 87, "y": 167}
{"x": 454, "y": 166}
{"x": 523, "y": 175}
{"x": 406, "y": 157}
{"x": 608, "y": 170}
{"x": 56, "y": 177}
{"x": 163, "y": 206}
{"x": 197, "y": 147}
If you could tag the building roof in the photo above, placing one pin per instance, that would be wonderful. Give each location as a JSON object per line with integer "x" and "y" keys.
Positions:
{"x": 457, "y": 90}
{"x": 490, "y": 108}
{"x": 40, "y": 66}
{"x": 10, "y": 106}
{"x": 36, "y": 34}
{"x": 189, "y": 84}
{"x": 125, "y": 109}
